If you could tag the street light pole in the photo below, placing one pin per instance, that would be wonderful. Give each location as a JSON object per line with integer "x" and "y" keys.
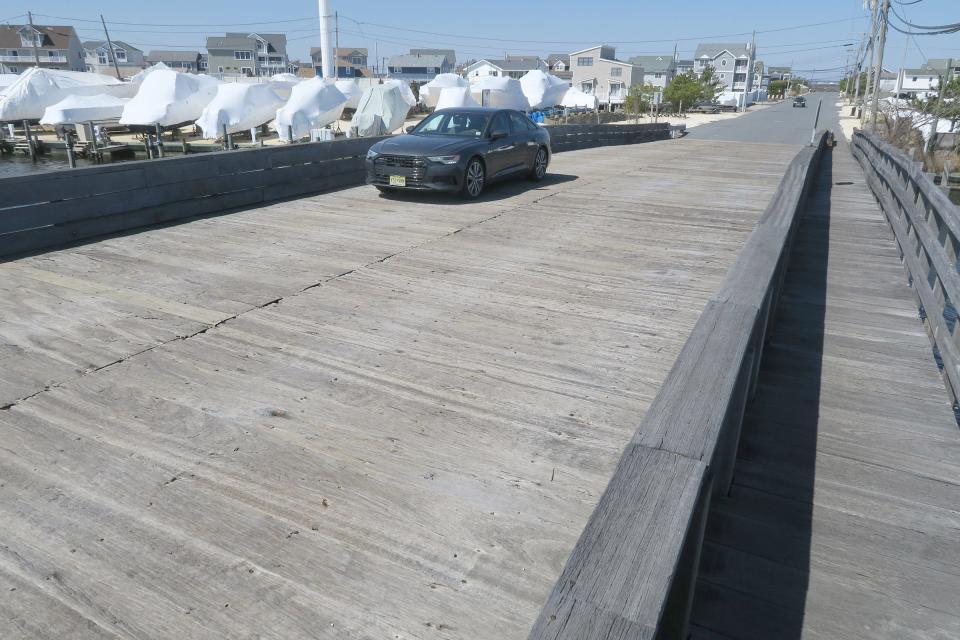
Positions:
{"x": 873, "y": 51}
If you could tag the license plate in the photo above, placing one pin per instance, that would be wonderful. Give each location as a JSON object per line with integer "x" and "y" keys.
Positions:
{"x": 398, "y": 181}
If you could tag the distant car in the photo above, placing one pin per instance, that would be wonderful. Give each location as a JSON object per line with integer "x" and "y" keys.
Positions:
{"x": 460, "y": 150}
{"x": 704, "y": 107}
{"x": 799, "y": 101}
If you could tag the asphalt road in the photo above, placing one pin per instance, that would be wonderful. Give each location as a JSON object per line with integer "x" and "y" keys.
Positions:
{"x": 779, "y": 124}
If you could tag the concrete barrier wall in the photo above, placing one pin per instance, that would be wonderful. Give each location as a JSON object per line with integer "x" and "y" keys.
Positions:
{"x": 46, "y": 210}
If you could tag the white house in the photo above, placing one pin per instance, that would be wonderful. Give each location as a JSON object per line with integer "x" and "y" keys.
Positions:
{"x": 918, "y": 83}
{"x": 510, "y": 67}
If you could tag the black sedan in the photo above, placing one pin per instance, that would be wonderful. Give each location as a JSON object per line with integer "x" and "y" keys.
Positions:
{"x": 460, "y": 150}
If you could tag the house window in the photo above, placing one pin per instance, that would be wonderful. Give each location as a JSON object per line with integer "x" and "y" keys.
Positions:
{"x": 723, "y": 76}
{"x": 658, "y": 75}
{"x": 220, "y": 69}
{"x": 585, "y": 61}
{"x": 102, "y": 57}
{"x": 586, "y": 87}
{"x": 31, "y": 38}
{"x": 247, "y": 71}
{"x": 120, "y": 54}
{"x": 914, "y": 78}
{"x": 357, "y": 60}
{"x": 243, "y": 55}
{"x": 52, "y": 54}
{"x": 14, "y": 53}
{"x": 14, "y": 69}
{"x": 723, "y": 63}
{"x": 616, "y": 72}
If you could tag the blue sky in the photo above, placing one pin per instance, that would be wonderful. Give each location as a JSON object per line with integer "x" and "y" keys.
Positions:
{"x": 633, "y": 26}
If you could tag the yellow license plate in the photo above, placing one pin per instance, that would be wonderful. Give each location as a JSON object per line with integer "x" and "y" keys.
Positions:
{"x": 398, "y": 181}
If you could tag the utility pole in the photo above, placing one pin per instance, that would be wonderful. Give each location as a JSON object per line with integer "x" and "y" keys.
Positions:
{"x": 113, "y": 54}
{"x": 336, "y": 45}
{"x": 873, "y": 51}
{"x": 876, "y": 80}
{"x": 36, "y": 54}
{"x": 749, "y": 76}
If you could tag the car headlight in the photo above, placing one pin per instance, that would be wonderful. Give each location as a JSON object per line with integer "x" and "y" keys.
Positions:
{"x": 371, "y": 154}
{"x": 445, "y": 159}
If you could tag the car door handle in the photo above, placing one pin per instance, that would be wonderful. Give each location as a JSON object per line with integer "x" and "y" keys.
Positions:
{"x": 506, "y": 148}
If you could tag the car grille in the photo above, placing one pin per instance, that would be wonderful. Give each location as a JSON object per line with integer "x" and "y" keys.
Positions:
{"x": 413, "y": 167}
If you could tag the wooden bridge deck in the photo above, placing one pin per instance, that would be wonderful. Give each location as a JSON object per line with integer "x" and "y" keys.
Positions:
{"x": 348, "y": 417}
{"x": 844, "y": 517}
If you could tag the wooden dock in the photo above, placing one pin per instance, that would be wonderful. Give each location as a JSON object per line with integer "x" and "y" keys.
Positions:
{"x": 344, "y": 416}
{"x": 844, "y": 516}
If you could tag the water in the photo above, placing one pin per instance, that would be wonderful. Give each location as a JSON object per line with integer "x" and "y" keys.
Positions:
{"x": 14, "y": 165}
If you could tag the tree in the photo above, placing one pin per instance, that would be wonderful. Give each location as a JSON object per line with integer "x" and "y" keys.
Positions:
{"x": 945, "y": 105}
{"x": 683, "y": 90}
{"x": 852, "y": 82}
{"x": 710, "y": 85}
{"x": 778, "y": 87}
{"x": 639, "y": 97}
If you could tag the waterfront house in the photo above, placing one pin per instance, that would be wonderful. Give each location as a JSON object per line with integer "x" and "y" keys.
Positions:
{"x": 130, "y": 59}
{"x": 351, "y": 62}
{"x": 918, "y": 83}
{"x": 598, "y": 72}
{"x": 421, "y": 65}
{"x": 185, "y": 61}
{"x": 780, "y": 73}
{"x": 57, "y": 47}
{"x": 248, "y": 54}
{"x": 656, "y": 70}
{"x": 730, "y": 61}
{"x": 510, "y": 67}
{"x": 949, "y": 67}
{"x": 559, "y": 65}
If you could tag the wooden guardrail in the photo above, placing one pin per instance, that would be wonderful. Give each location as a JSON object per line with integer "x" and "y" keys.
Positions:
{"x": 571, "y": 137}
{"x": 632, "y": 572}
{"x": 46, "y": 210}
{"x": 927, "y": 229}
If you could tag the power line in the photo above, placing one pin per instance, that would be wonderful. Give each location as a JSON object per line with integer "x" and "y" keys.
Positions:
{"x": 223, "y": 24}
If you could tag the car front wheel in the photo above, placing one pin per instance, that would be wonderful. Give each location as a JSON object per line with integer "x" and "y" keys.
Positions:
{"x": 539, "y": 168}
{"x": 473, "y": 179}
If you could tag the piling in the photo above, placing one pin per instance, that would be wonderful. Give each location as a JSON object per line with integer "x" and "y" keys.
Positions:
{"x": 159, "y": 141}
{"x": 30, "y": 143}
{"x": 68, "y": 143}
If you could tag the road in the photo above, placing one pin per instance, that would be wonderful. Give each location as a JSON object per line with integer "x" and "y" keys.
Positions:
{"x": 780, "y": 124}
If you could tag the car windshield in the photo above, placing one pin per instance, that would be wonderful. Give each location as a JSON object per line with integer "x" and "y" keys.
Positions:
{"x": 454, "y": 123}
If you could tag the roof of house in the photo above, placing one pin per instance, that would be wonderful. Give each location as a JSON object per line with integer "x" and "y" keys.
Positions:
{"x": 449, "y": 54}
{"x": 413, "y": 60}
{"x": 920, "y": 72}
{"x": 54, "y": 37}
{"x": 233, "y": 40}
{"x": 941, "y": 64}
{"x": 713, "y": 49}
{"x": 554, "y": 57}
{"x": 524, "y": 63}
{"x": 684, "y": 63}
{"x": 96, "y": 44}
{"x": 172, "y": 56}
{"x": 779, "y": 69}
{"x": 340, "y": 52}
{"x": 653, "y": 64}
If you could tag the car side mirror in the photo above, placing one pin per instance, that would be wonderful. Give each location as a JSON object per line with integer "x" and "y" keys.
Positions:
{"x": 496, "y": 134}
{"x": 410, "y": 128}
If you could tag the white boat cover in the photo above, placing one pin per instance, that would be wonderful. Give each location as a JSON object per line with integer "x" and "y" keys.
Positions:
{"x": 405, "y": 91}
{"x": 80, "y": 109}
{"x": 285, "y": 77}
{"x": 7, "y": 79}
{"x": 505, "y": 93}
{"x": 430, "y": 92}
{"x": 168, "y": 98}
{"x": 576, "y": 99}
{"x": 313, "y": 104}
{"x": 36, "y": 89}
{"x": 543, "y": 89}
{"x": 351, "y": 91}
{"x": 453, "y": 97}
{"x": 139, "y": 77}
{"x": 382, "y": 110}
{"x": 240, "y": 107}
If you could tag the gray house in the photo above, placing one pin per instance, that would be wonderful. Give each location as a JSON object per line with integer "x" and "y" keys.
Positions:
{"x": 730, "y": 61}
{"x": 422, "y": 65}
{"x": 598, "y": 72}
{"x": 684, "y": 66}
{"x": 351, "y": 62}
{"x": 656, "y": 70}
{"x": 130, "y": 59}
{"x": 949, "y": 67}
{"x": 249, "y": 54}
{"x": 57, "y": 48}
{"x": 185, "y": 61}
